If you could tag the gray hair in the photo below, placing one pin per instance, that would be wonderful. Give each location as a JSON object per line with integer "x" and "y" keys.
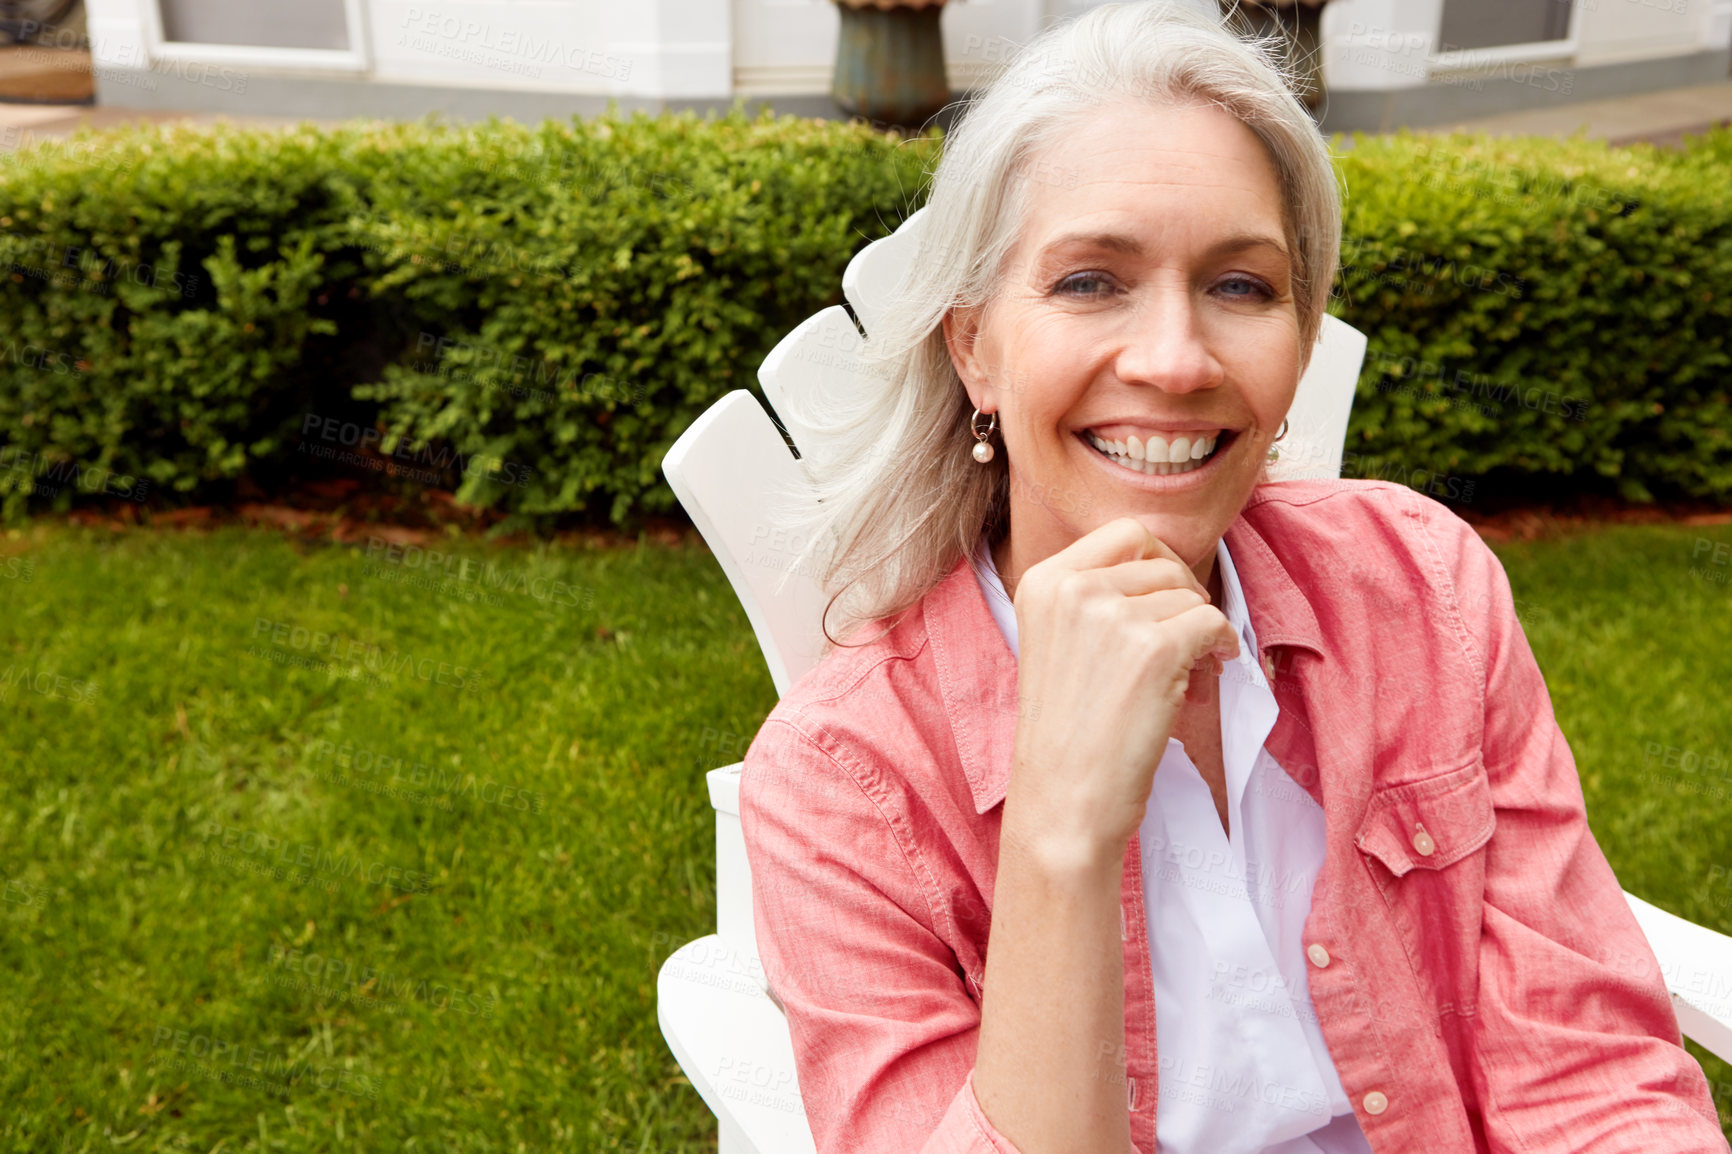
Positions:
{"x": 895, "y": 497}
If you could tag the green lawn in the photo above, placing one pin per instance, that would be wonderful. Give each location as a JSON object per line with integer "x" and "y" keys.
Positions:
{"x": 299, "y": 855}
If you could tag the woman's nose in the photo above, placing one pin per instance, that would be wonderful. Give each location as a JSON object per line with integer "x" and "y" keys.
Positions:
{"x": 1166, "y": 346}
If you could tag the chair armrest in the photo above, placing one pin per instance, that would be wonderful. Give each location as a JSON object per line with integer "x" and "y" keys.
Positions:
{"x": 733, "y": 871}
{"x": 733, "y": 1044}
{"x": 1697, "y": 965}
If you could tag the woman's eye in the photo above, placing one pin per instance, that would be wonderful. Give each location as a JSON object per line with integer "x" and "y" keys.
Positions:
{"x": 1070, "y": 284}
{"x": 1244, "y": 288}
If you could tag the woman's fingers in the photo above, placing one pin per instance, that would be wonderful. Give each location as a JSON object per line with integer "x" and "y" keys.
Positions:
{"x": 1119, "y": 540}
{"x": 1204, "y": 631}
{"x": 1161, "y": 604}
{"x": 1124, "y": 553}
{"x": 1132, "y": 578}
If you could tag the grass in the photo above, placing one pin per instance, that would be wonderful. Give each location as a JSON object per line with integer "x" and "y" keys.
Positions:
{"x": 262, "y": 897}
{"x": 513, "y": 950}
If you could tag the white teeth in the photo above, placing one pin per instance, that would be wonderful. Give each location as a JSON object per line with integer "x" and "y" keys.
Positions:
{"x": 1157, "y": 458}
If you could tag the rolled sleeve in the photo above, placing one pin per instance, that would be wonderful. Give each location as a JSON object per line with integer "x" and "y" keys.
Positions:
{"x": 1577, "y": 1047}
{"x": 884, "y": 1030}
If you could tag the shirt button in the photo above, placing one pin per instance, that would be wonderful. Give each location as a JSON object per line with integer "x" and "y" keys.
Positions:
{"x": 1375, "y": 1102}
{"x": 1269, "y": 666}
{"x": 1318, "y": 955}
{"x": 1422, "y": 843}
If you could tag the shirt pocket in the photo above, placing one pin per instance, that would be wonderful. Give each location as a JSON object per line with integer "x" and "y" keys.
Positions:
{"x": 1423, "y": 844}
{"x": 1429, "y": 824}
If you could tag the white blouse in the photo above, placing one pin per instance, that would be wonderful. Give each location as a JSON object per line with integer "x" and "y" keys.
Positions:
{"x": 1243, "y": 1068}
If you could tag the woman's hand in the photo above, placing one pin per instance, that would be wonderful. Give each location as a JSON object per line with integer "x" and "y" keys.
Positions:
{"x": 1111, "y": 631}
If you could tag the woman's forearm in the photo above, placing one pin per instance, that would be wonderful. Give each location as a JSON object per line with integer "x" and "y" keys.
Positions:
{"x": 1049, "y": 1072}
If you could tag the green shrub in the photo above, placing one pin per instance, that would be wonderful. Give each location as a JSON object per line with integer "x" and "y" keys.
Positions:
{"x": 1541, "y": 307}
{"x": 532, "y": 315}
{"x": 543, "y": 310}
{"x": 593, "y": 286}
{"x": 160, "y": 295}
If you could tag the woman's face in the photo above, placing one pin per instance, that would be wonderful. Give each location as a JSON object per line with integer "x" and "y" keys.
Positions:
{"x": 1147, "y": 308}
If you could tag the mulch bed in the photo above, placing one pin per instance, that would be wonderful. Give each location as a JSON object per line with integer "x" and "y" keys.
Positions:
{"x": 1559, "y": 518}
{"x": 346, "y": 511}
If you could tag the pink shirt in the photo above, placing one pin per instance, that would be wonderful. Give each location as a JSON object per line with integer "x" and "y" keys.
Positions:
{"x": 1476, "y": 972}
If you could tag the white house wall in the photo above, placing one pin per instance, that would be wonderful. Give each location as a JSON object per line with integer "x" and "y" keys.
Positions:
{"x": 659, "y": 48}
{"x": 1618, "y": 30}
{"x": 655, "y": 50}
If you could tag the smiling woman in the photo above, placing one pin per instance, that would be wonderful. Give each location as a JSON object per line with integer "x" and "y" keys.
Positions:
{"x": 1264, "y": 771}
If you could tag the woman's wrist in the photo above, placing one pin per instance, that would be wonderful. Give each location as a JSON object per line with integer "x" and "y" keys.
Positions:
{"x": 1061, "y": 846}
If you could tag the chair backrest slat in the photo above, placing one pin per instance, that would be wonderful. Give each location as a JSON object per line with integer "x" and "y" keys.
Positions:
{"x": 722, "y": 469}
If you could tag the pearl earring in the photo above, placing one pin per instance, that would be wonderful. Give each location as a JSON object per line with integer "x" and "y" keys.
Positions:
{"x": 982, "y": 450}
{"x": 1274, "y": 453}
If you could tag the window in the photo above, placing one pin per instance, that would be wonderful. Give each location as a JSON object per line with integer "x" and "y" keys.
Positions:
{"x": 304, "y": 33}
{"x": 1485, "y": 31}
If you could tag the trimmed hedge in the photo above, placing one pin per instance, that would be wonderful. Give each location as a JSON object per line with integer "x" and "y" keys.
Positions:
{"x": 1542, "y": 307}
{"x": 531, "y": 315}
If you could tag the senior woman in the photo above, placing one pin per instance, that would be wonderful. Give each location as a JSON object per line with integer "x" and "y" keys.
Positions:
{"x": 1149, "y": 805}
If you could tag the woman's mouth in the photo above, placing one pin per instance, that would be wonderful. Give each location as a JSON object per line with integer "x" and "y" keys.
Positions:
{"x": 1159, "y": 455}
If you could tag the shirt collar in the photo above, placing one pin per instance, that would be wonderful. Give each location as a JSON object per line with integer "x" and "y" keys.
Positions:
{"x": 976, "y": 667}
{"x": 1233, "y": 603}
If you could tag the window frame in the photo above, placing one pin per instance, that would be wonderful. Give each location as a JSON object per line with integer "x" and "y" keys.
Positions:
{"x": 1469, "y": 59}
{"x": 355, "y": 58}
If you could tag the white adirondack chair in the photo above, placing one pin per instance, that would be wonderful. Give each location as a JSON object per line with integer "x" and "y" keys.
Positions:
{"x": 728, "y": 1035}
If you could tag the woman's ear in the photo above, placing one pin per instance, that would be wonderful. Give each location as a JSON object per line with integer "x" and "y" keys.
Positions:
{"x": 961, "y": 330}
